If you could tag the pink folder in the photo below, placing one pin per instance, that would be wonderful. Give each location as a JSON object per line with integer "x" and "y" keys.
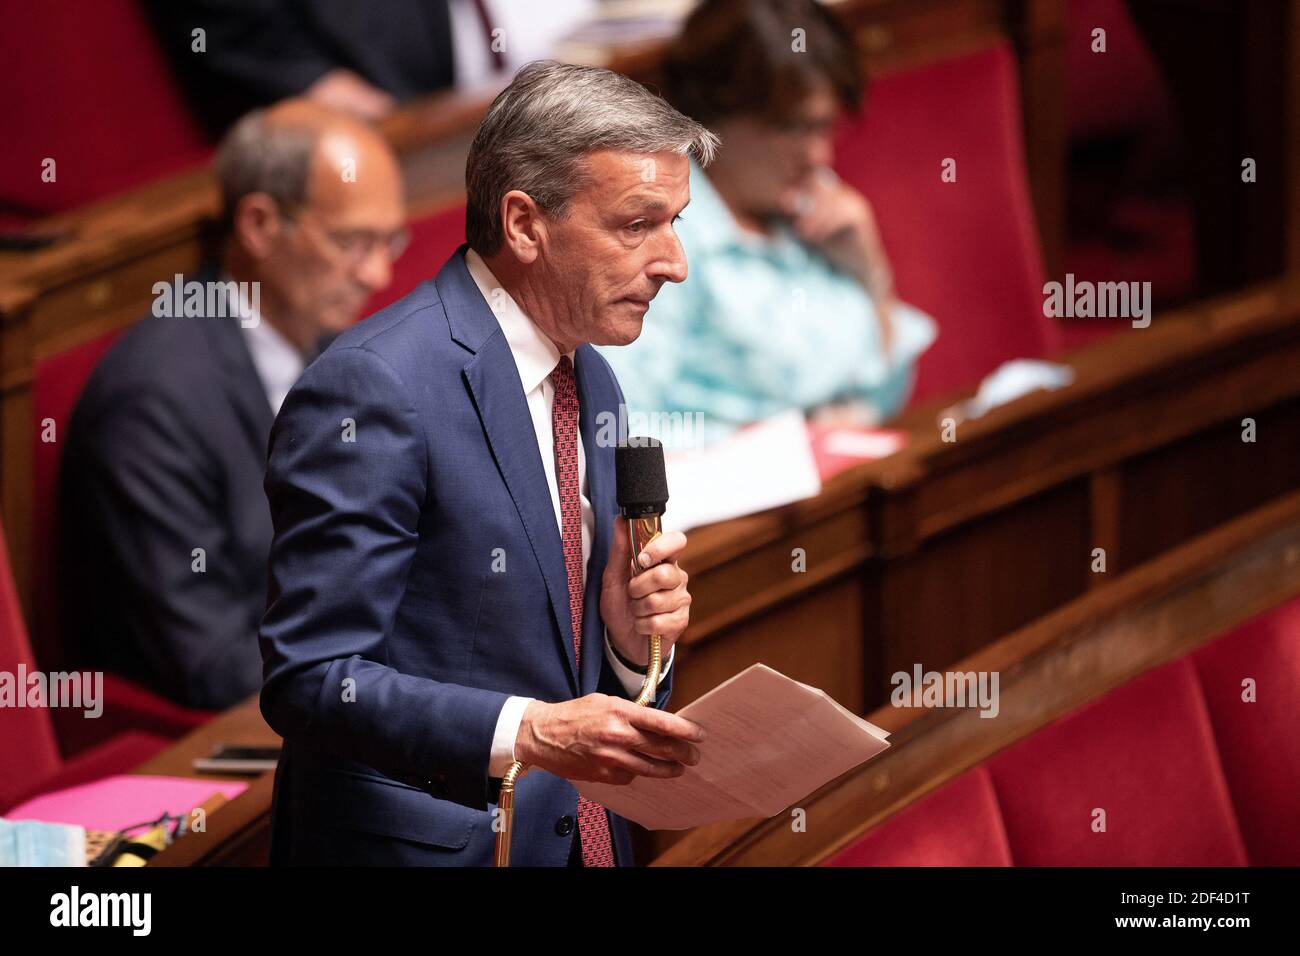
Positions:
{"x": 836, "y": 448}
{"x": 117, "y": 802}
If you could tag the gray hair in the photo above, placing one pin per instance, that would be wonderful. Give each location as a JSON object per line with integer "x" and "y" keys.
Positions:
{"x": 257, "y": 156}
{"x": 537, "y": 131}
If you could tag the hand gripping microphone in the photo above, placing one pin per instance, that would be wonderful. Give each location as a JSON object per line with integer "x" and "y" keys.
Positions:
{"x": 642, "y": 494}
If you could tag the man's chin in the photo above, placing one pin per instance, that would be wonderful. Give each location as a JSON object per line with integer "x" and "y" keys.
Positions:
{"x": 624, "y": 332}
{"x": 340, "y": 320}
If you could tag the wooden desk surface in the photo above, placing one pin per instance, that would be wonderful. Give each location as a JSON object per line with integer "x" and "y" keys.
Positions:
{"x": 238, "y": 833}
{"x": 240, "y": 726}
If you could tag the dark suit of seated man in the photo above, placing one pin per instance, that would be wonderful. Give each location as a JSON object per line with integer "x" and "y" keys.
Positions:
{"x": 165, "y": 525}
{"x": 356, "y": 57}
{"x": 444, "y": 511}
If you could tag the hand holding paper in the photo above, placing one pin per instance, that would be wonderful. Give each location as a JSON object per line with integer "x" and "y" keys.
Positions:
{"x": 771, "y": 741}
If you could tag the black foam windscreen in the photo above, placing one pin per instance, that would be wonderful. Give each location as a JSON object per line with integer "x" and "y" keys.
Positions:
{"x": 642, "y": 482}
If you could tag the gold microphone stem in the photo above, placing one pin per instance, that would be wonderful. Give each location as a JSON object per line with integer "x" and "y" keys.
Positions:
{"x": 642, "y": 531}
{"x": 506, "y": 811}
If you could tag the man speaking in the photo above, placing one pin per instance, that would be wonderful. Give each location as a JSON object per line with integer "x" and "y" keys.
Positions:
{"x": 450, "y": 589}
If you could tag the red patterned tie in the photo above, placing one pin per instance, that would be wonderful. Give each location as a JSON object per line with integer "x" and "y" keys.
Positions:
{"x": 593, "y": 823}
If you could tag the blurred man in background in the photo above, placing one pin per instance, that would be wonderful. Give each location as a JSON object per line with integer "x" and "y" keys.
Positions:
{"x": 166, "y": 529}
{"x": 362, "y": 58}
{"x": 790, "y": 300}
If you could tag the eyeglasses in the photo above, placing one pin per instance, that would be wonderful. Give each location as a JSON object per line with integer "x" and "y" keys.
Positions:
{"x": 804, "y": 126}
{"x": 355, "y": 245}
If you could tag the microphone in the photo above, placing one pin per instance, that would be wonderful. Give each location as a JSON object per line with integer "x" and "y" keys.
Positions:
{"x": 642, "y": 481}
{"x": 642, "y": 494}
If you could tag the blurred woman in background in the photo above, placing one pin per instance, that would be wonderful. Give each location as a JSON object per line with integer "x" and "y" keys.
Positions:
{"x": 789, "y": 300}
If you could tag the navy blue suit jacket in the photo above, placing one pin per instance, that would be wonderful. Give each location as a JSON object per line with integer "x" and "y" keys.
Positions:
{"x": 392, "y": 638}
{"x": 165, "y": 453}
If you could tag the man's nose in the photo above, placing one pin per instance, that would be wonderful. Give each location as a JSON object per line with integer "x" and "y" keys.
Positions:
{"x": 670, "y": 265}
{"x": 820, "y": 151}
{"x": 376, "y": 270}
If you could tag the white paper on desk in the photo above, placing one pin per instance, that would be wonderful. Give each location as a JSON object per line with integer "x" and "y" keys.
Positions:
{"x": 770, "y": 742}
{"x": 762, "y": 466}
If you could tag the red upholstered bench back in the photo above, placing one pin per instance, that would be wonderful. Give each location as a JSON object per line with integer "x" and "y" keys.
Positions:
{"x": 957, "y": 825}
{"x": 1188, "y": 770}
{"x": 1119, "y": 89}
{"x": 965, "y": 251}
{"x": 85, "y": 84}
{"x": 1259, "y": 741}
{"x": 57, "y": 384}
{"x": 1144, "y": 755}
{"x": 28, "y": 750}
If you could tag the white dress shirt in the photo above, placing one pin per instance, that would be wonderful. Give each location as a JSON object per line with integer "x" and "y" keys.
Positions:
{"x": 276, "y": 360}
{"x": 529, "y": 31}
{"x": 536, "y": 357}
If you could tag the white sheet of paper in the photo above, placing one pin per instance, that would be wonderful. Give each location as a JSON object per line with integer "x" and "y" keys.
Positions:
{"x": 770, "y": 742}
{"x": 765, "y": 465}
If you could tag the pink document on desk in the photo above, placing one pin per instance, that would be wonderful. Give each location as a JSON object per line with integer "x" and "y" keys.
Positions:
{"x": 837, "y": 448}
{"x": 117, "y": 802}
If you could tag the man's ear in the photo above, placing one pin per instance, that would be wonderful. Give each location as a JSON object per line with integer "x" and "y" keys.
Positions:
{"x": 523, "y": 225}
{"x": 257, "y": 224}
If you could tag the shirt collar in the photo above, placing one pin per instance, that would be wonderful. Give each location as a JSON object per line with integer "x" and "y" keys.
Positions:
{"x": 535, "y": 355}
{"x": 277, "y": 361}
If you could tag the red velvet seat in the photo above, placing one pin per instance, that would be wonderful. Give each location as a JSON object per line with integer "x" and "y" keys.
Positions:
{"x": 1163, "y": 253}
{"x": 29, "y": 754}
{"x": 1146, "y": 755}
{"x": 1257, "y": 741}
{"x": 85, "y": 84}
{"x": 57, "y": 385}
{"x": 966, "y": 251}
{"x": 1119, "y": 89}
{"x": 1188, "y": 772}
{"x": 958, "y": 825}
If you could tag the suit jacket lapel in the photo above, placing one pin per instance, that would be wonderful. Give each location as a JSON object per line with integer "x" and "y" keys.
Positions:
{"x": 493, "y": 381}
{"x": 498, "y": 395}
{"x": 243, "y": 387}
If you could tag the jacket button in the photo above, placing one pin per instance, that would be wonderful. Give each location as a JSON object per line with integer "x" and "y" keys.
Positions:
{"x": 564, "y": 825}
